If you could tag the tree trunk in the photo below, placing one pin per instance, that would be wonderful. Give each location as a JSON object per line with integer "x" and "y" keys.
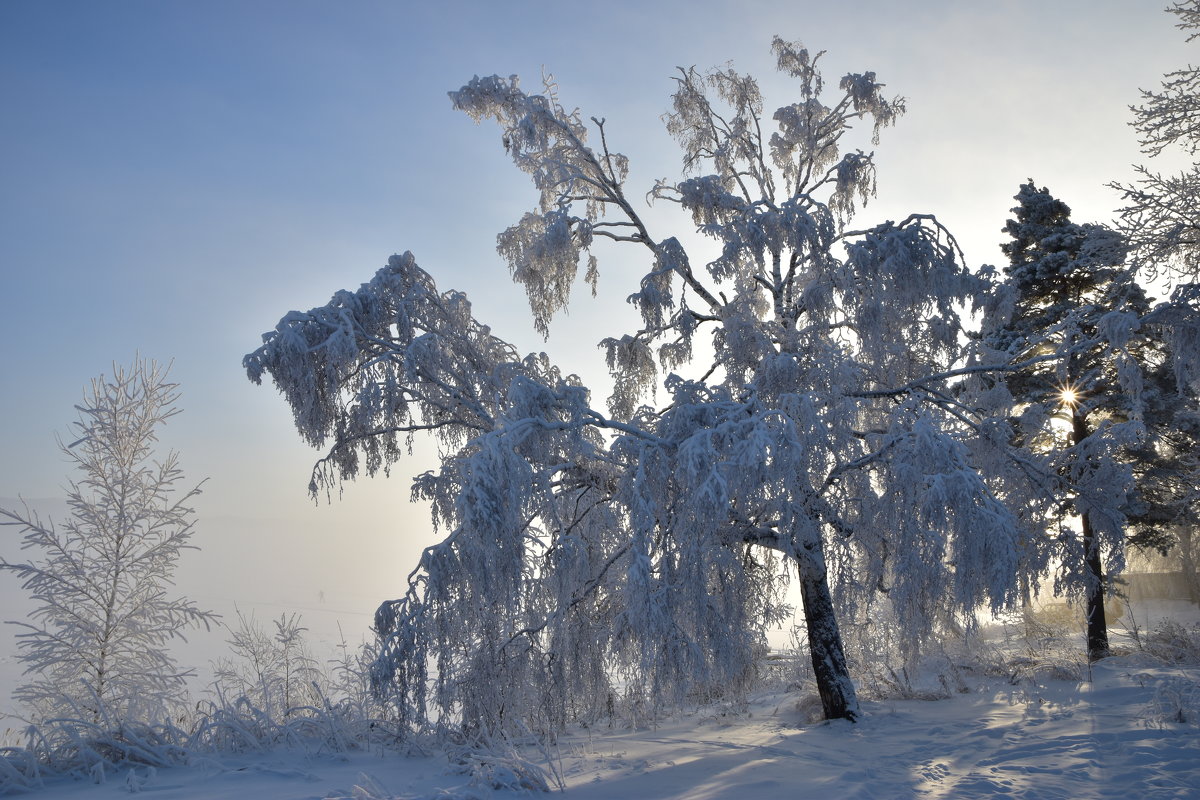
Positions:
{"x": 838, "y": 700}
{"x": 1093, "y": 573}
{"x": 1097, "y": 625}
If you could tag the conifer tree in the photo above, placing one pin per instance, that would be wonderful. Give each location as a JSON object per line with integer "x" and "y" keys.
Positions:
{"x": 1087, "y": 409}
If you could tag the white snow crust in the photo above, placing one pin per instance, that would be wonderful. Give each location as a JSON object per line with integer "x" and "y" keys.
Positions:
{"x": 1026, "y": 735}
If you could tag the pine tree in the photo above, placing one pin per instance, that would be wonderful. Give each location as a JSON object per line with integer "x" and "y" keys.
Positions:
{"x": 96, "y": 646}
{"x": 1086, "y": 405}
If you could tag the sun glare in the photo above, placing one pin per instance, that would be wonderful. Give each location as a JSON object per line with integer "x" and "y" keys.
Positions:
{"x": 1068, "y": 396}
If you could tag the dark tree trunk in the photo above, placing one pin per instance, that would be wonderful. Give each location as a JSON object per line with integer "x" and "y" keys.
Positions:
{"x": 838, "y": 700}
{"x": 1097, "y": 625}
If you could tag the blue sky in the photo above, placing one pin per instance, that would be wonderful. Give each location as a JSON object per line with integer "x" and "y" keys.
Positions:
{"x": 175, "y": 176}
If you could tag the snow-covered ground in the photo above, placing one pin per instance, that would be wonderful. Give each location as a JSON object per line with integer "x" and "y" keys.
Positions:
{"x": 1025, "y": 735}
{"x": 1033, "y": 731}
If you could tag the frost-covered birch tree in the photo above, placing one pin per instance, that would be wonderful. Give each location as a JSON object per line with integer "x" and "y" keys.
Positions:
{"x": 1161, "y": 220}
{"x": 788, "y": 410}
{"x": 274, "y": 671}
{"x": 95, "y": 647}
{"x": 1161, "y": 217}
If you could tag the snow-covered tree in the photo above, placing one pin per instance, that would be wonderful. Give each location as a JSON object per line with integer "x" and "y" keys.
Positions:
{"x": 1162, "y": 215}
{"x": 1166, "y": 463}
{"x": 274, "y": 671}
{"x": 1168, "y": 466}
{"x": 95, "y": 647}
{"x": 787, "y": 411}
{"x": 1072, "y": 298}
{"x": 1161, "y": 220}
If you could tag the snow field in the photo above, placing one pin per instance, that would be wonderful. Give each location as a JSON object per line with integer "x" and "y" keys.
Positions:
{"x": 1018, "y": 736}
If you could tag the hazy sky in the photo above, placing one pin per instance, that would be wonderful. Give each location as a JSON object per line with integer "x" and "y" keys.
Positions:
{"x": 175, "y": 176}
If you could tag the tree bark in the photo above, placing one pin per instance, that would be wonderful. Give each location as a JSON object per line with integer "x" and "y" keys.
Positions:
{"x": 838, "y": 699}
{"x": 1097, "y": 625}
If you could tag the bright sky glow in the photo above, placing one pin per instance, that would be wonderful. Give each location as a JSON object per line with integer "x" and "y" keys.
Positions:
{"x": 177, "y": 176}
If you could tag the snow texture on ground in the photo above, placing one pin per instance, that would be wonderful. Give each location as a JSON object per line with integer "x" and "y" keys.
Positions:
{"x": 1116, "y": 737}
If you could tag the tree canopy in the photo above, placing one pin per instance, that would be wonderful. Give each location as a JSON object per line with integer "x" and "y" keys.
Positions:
{"x": 801, "y": 407}
{"x": 1160, "y": 216}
